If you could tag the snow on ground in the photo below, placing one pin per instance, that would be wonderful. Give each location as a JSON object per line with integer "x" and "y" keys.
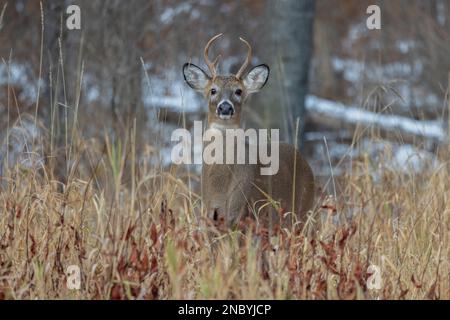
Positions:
{"x": 16, "y": 146}
{"x": 18, "y": 75}
{"x": 407, "y": 157}
{"x": 383, "y": 155}
{"x": 403, "y": 77}
{"x": 170, "y": 92}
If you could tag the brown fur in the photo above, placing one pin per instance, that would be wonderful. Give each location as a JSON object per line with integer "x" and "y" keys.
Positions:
{"x": 234, "y": 191}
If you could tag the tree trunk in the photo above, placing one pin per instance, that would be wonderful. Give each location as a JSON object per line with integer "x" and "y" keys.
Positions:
{"x": 291, "y": 30}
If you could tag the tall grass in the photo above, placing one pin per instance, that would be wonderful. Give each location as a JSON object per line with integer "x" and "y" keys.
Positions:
{"x": 146, "y": 240}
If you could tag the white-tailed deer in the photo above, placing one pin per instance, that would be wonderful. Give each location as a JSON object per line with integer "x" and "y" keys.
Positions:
{"x": 230, "y": 191}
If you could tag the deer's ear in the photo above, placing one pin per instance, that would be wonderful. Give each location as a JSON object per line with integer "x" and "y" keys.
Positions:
{"x": 256, "y": 78}
{"x": 195, "y": 77}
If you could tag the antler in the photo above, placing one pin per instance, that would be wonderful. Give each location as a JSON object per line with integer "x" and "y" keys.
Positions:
{"x": 211, "y": 65}
{"x": 247, "y": 59}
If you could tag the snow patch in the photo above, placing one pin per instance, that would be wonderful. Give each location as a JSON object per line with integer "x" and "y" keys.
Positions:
{"x": 429, "y": 129}
{"x": 169, "y": 13}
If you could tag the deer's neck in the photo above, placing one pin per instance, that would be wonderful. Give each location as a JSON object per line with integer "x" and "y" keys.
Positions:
{"x": 220, "y": 128}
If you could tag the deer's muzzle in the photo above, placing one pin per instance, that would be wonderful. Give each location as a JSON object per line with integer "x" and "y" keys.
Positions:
{"x": 225, "y": 109}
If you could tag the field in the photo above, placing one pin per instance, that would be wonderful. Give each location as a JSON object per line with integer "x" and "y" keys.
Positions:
{"x": 135, "y": 232}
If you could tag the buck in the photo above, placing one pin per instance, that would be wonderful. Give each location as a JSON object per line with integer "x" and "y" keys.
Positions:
{"x": 231, "y": 192}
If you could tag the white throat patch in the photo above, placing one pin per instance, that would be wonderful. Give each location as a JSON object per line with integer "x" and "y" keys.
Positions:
{"x": 219, "y": 126}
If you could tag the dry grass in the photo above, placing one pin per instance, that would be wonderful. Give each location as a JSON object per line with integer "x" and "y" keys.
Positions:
{"x": 134, "y": 233}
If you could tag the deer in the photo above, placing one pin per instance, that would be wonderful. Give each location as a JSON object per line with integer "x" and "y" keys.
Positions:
{"x": 232, "y": 192}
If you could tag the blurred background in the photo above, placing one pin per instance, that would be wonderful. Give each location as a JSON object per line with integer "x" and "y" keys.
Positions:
{"x": 355, "y": 91}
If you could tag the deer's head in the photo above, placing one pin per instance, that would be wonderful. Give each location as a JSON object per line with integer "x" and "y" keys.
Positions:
{"x": 226, "y": 94}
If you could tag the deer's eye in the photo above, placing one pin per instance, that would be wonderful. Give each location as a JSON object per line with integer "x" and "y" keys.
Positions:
{"x": 213, "y": 91}
{"x": 238, "y": 92}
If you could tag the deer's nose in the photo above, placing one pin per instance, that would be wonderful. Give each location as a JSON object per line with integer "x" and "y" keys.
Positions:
{"x": 225, "y": 108}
